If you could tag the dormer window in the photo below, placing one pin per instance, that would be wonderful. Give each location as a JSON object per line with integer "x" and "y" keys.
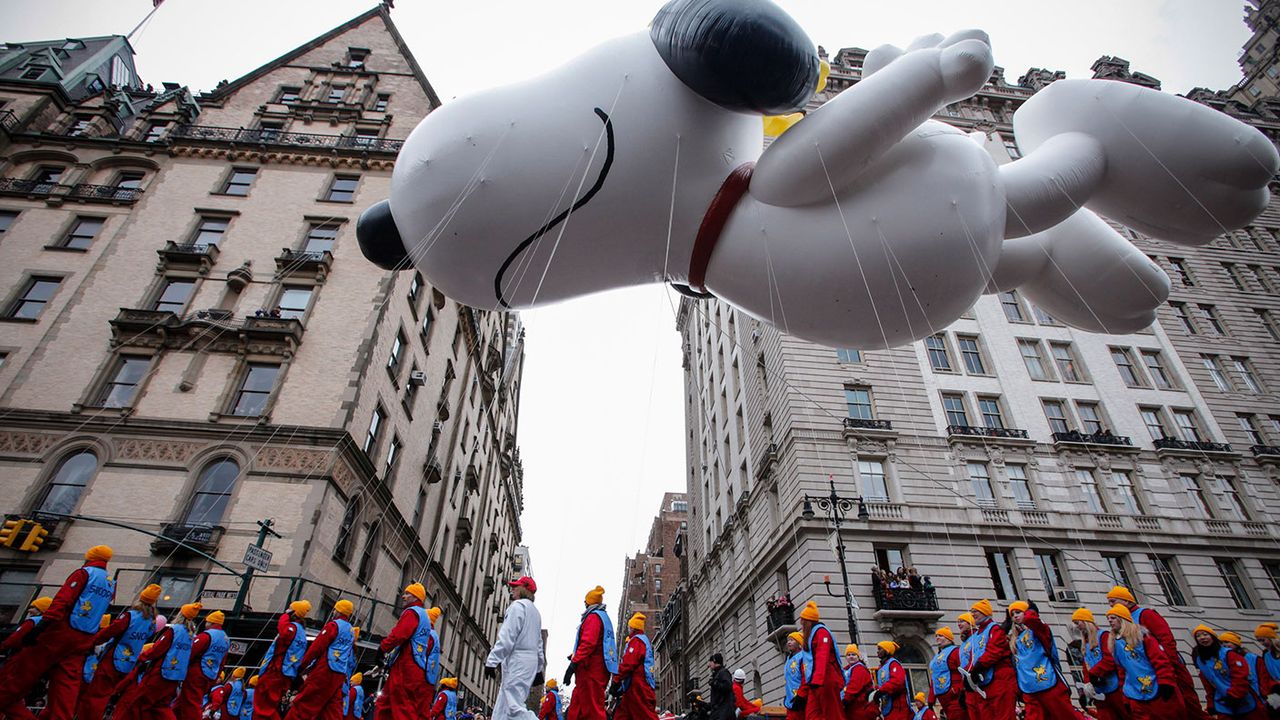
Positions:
{"x": 289, "y": 95}
{"x": 33, "y": 73}
{"x": 81, "y": 125}
{"x": 356, "y": 57}
{"x": 73, "y": 45}
{"x": 336, "y": 93}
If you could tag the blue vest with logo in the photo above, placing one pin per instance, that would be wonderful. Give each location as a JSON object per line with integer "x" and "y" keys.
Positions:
{"x": 357, "y": 707}
{"x": 292, "y": 656}
{"x": 610, "y": 648}
{"x": 95, "y": 597}
{"x": 1273, "y": 665}
{"x": 1034, "y": 663}
{"x": 1217, "y": 672}
{"x": 648, "y": 661}
{"x": 174, "y": 665}
{"x": 341, "y": 655}
{"x": 966, "y": 652}
{"x": 920, "y": 713}
{"x": 810, "y": 645}
{"x": 555, "y": 703}
{"x": 1105, "y": 684}
{"x": 450, "y": 704}
{"x": 125, "y": 653}
{"x": 940, "y": 671}
{"x": 425, "y": 646}
{"x": 90, "y": 666}
{"x": 211, "y": 661}
{"x": 883, "y": 673}
{"x": 246, "y": 710}
{"x": 1139, "y": 674}
{"x": 794, "y": 675}
{"x": 235, "y": 697}
{"x": 980, "y": 639}
{"x": 1252, "y": 660}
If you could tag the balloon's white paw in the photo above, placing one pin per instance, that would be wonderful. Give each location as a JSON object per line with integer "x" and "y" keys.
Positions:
{"x": 966, "y": 67}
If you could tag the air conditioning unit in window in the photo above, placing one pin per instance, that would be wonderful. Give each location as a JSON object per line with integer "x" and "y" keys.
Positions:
{"x": 437, "y": 426}
{"x": 418, "y": 377}
{"x": 1067, "y": 596}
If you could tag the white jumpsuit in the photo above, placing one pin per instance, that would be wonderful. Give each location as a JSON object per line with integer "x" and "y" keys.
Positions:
{"x": 519, "y": 652}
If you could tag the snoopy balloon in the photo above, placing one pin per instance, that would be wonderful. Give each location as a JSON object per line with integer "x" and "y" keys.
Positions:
{"x": 865, "y": 225}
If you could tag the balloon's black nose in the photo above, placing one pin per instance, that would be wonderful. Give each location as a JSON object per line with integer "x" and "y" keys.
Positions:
{"x": 379, "y": 239}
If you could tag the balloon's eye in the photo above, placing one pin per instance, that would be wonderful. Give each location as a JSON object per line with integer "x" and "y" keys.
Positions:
{"x": 379, "y": 239}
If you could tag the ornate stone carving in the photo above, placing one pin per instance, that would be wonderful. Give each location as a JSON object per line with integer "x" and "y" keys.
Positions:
{"x": 343, "y": 476}
{"x": 1104, "y": 462}
{"x": 997, "y": 456}
{"x": 25, "y": 443}
{"x": 161, "y": 451}
{"x": 307, "y": 462}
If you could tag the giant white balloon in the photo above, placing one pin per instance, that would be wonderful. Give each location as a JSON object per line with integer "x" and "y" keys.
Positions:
{"x": 865, "y": 225}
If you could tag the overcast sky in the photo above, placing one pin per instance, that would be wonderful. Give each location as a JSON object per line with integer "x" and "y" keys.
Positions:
{"x": 601, "y": 422}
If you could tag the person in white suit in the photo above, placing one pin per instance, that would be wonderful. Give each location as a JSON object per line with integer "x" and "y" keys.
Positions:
{"x": 519, "y": 652}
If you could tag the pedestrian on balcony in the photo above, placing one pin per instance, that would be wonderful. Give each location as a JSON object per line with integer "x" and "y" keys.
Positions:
{"x": 793, "y": 675}
{"x": 412, "y": 651}
{"x": 208, "y": 651}
{"x": 634, "y": 684}
{"x": 149, "y": 690}
{"x": 1224, "y": 672}
{"x": 1269, "y": 666}
{"x": 119, "y": 645}
{"x": 913, "y": 579}
{"x": 1101, "y": 686}
{"x": 1035, "y": 659}
{"x": 858, "y": 686}
{"x": 1146, "y": 676}
{"x": 923, "y": 708}
{"x": 1156, "y": 625}
{"x": 891, "y": 683}
{"x": 280, "y": 664}
{"x": 945, "y": 681}
{"x": 826, "y": 679}
{"x": 992, "y": 675}
{"x": 329, "y": 661}
{"x": 66, "y": 632}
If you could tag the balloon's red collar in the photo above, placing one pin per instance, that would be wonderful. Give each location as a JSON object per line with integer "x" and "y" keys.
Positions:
{"x": 722, "y": 205}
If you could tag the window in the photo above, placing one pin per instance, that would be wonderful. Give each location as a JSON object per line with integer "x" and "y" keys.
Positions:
{"x": 1168, "y": 578}
{"x": 1250, "y": 429}
{"x": 336, "y": 93}
{"x": 427, "y": 320}
{"x": 980, "y": 480}
{"x": 364, "y": 137}
{"x": 1021, "y": 486}
{"x": 81, "y": 233}
{"x": 381, "y": 102}
{"x": 939, "y": 357}
{"x": 1012, "y": 307}
{"x": 1195, "y": 496}
{"x": 37, "y": 293}
{"x": 1050, "y": 573}
{"x": 1032, "y": 358}
{"x": 874, "y": 486}
{"x": 1124, "y": 363}
{"x": 320, "y": 238}
{"x": 33, "y": 73}
{"x": 1231, "y": 503}
{"x": 375, "y": 431}
{"x": 1043, "y": 317}
{"x": 238, "y": 181}
{"x": 177, "y": 588}
{"x": 343, "y": 188}
{"x": 368, "y": 558}
{"x": 1245, "y": 370}
{"x": 1269, "y": 322}
{"x": 1273, "y": 574}
{"x": 1260, "y": 276}
{"x": 294, "y": 301}
{"x": 848, "y": 355}
{"x": 1154, "y": 421}
{"x": 1065, "y": 360}
{"x": 1125, "y": 494}
{"x": 953, "y": 406}
{"x": 1089, "y": 486}
{"x": 1184, "y": 317}
{"x": 859, "y": 402}
{"x": 1215, "y": 372}
{"x": 1209, "y": 314}
{"x": 68, "y": 483}
{"x": 81, "y": 125}
{"x": 1056, "y": 413}
{"x": 251, "y": 398}
{"x": 289, "y": 95}
{"x": 415, "y": 290}
{"x": 1011, "y": 146}
{"x": 1180, "y": 272}
{"x": 212, "y": 492}
{"x": 1117, "y": 570}
{"x": 6, "y": 220}
{"x": 1002, "y": 575}
{"x": 1160, "y": 377}
{"x": 1090, "y": 417}
{"x": 119, "y": 390}
{"x": 128, "y": 184}
{"x": 155, "y": 131}
{"x": 393, "y": 454}
{"x": 356, "y": 57}
{"x": 46, "y": 178}
{"x": 1235, "y": 584}
{"x": 1236, "y": 277}
{"x": 397, "y": 351}
{"x": 346, "y": 529}
{"x": 1185, "y": 422}
{"x": 989, "y": 408}
{"x": 174, "y": 296}
{"x": 209, "y": 230}
{"x": 270, "y": 130}
{"x": 971, "y": 353}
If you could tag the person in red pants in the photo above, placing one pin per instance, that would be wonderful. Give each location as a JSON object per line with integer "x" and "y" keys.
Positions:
{"x": 1035, "y": 662}
{"x": 280, "y": 665}
{"x": 744, "y": 706}
{"x": 923, "y": 709}
{"x": 825, "y": 681}
{"x": 1224, "y": 673}
{"x": 123, "y": 640}
{"x": 967, "y": 625}
{"x": 65, "y": 633}
{"x": 413, "y": 658}
{"x": 148, "y": 691}
{"x": 858, "y": 686}
{"x": 945, "y": 680}
{"x": 551, "y": 708}
{"x": 634, "y": 683}
{"x": 208, "y": 652}
{"x": 330, "y": 659}
{"x": 446, "y": 705}
{"x": 891, "y": 683}
{"x": 1103, "y": 688}
{"x": 992, "y": 670}
{"x": 594, "y": 659}
{"x": 1155, "y": 624}
{"x": 35, "y": 615}
{"x": 1269, "y": 667}
{"x": 1146, "y": 675}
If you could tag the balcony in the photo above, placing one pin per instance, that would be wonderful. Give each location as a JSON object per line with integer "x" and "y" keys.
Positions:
{"x": 1104, "y": 438}
{"x": 767, "y": 461}
{"x": 472, "y": 477}
{"x": 1236, "y": 527}
{"x": 276, "y": 138}
{"x": 178, "y": 540}
{"x": 875, "y": 425}
{"x": 310, "y": 263}
{"x": 463, "y": 532}
{"x": 198, "y": 256}
{"x": 433, "y": 471}
{"x": 1175, "y": 446}
{"x": 919, "y": 605}
{"x": 206, "y": 331}
{"x": 782, "y": 616}
{"x": 8, "y": 121}
{"x": 885, "y": 510}
{"x": 1265, "y": 453}
{"x": 961, "y": 432}
{"x": 104, "y": 193}
{"x": 27, "y": 188}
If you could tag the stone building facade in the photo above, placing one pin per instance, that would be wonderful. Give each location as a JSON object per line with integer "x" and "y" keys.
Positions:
{"x": 191, "y": 342}
{"x": 654, "y": 573}
{"x": 1007, "y": 456}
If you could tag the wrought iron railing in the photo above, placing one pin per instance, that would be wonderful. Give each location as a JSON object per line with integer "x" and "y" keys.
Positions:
{"x": 782, "y": 616}
{"x": 24, "y": 186}
{"x": 201, "y": 536}
{"x": 110, "y": 193}
{"x": 267, "y": 136}
{"x": 867, "y": 424}
{"x": 990, "y": 432}
{"x": 908, "y": 598}
{"x": 1168, "y": 443}
{"x": 1097, "y": 438}
{"x": 8, "y": 120}
{"x": 1267, "y": 450}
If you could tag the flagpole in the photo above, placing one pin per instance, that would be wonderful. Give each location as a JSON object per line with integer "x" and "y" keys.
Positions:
{"x": 154, "y": 7}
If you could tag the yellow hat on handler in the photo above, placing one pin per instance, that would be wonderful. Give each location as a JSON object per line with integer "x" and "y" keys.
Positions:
{"x": 1084, "y": 615}
{"x": 150, "y": 594}
{"x": 98, "y": 553}
{"x": 1121, "y": 611}
{"x": 42, "y": 604}
{"x": 434, "y": 613}
{"x": 449, "y": 682}
{"x": 344, "y": 607}
{"x": 551, "y": 683}
{"x": 357, "y": 678}
{"x": 417, "y": 590}
{"x": 1203, "y": 628}
{"x": 921, "y": 697}
{"x": 810, "y": 611}
{"x": 191, "y": 610}
{"x": 253, "y": 681}
{"x": 798, "y": 637}
{"x": 851, "y": 648}
{"x": 636, "y": 622}
{"x": 888, "y": 646}
{"x": 1230, "y": 637}
{"x": 595, "y": 596}
{"x": 1121, "y": 592}
{"x": 237, "y": 673}
{"x": 945, "y": 632}
{"x": 300, "y": 607}
{"x": 1265, "y": 630}
{"x": 1017, "y": 605}
{"x": 982, "y": 606}
{"x": 966, "y": 617}
{"x": 105, "y": 622}
{"x": 215, "y": 618}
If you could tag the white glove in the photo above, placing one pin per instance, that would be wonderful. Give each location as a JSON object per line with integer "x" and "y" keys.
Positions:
{"x": 1274, "y": 701}
{"x": 1089, "y": 691}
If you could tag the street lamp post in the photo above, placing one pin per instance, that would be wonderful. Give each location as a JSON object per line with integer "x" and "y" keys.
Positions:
{"x": 837, "y": 508}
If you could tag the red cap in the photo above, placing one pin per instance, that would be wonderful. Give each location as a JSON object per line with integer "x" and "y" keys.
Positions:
{"x": 526, "y": 582}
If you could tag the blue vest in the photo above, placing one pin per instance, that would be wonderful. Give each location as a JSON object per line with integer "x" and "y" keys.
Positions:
{"x": 980, "y": 639}
{"x": 648, "y": 663}
{"x": 246, "y": 710}
{"x": 1139, "y": 674}
{"x": 1252, "y": 661}
{"x": 555, "y": 703}
{"x": 1219, "y": 676}
{"x": 235, "y": 697}
{"x": 1034, "y": 663}
{"x": 610, "y": 648}
{"x": 341, "y": 656}
{"x": 293, "y": 655}
{"x": 882, "y": 676}
{"x": 1105, "y": 684}
{"x": 794, "y": 675}
{"x": 920, "y": 713}
{"x": 940, "y": 671}
{"x": 95, "y": 597}
{"x": 810, "y": 645}
{"x": 450, "y": 704}
{"x": 357, "y": 707}
{"x": 90, "y": 666}
{"x": 35, "y": 620}
{"x": 174, "y": 665}
{"x": 966, "y": 652}
{"x": 125, "y": 653}
{"x": 1273, "y": 665}
{"x": 211, "y": 661}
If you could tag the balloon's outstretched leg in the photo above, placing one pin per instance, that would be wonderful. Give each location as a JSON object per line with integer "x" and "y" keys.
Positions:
{"x": 1049, "y": 185}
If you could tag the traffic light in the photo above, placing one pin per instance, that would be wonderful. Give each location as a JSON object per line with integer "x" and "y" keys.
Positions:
{"x": 9, "y": 532}
{"x": 35, "y": 538}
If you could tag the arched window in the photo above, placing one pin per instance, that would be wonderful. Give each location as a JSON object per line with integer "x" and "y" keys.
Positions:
{"x": 347, "y": 530}
{"x": 370, "y": 555}
{"x": 68, "y": 483}
{"x": 212, "y": 492}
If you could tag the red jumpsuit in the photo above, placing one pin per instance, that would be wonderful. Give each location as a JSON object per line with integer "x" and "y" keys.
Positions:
{"x": 321, "y": 695}
{"x": 151, "y": 697}
{"x": 587, "y": 702}
{"x": 744, "y": 706}
{"x": 1052, "y": 703}
{"x": 857, "y": 693}
{"x": 546, "y": 711}
{"x": 1240, "y": 688}
{"x": 94, "y": 696}
{"x": 1157, "y": 708}
{"x": 639, "y": 701}
{"x": 189, "y": 704}
{"x": 17, "y": 710}
{"x": 895, "y": 687}
{"x": 272, "y": 682}
{"x": 928, "y": 714}
{"x": 407, "y": 684}
{"x": 442, "y": 702}
{"x": 826, "y": 681}
{"x": 1114, "y": 706}
{"x": 58, "y": 655}
{"x": 953, "y": 700}
{"x": 1003, "y": 688}
{"x": 216, "y": 696}
{"x": 1156, "y": 625}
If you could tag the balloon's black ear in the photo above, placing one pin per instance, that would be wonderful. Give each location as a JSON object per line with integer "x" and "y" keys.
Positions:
{"x": 379, "y": 239}
{"x": 743, "y": 55}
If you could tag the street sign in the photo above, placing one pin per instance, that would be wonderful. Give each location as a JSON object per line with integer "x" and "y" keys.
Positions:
{"x": 238, "y": 647}
{"x": 257, "y": 558}
{"x": 218, "y": 595}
